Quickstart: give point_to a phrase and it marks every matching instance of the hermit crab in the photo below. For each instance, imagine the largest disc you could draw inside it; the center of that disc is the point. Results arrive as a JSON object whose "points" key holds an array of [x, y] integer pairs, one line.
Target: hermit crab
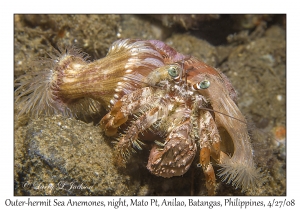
{"points": [[147, 86]]}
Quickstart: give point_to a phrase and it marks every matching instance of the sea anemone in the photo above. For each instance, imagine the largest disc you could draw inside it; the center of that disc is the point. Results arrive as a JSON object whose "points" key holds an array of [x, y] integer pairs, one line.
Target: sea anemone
{"points": [[38, 92], [240, 174], [70, 85]]}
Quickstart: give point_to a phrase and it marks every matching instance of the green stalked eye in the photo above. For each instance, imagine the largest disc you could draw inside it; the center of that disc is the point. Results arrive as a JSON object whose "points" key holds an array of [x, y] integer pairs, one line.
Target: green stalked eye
{"points": [[173, 71], [203, 84]]}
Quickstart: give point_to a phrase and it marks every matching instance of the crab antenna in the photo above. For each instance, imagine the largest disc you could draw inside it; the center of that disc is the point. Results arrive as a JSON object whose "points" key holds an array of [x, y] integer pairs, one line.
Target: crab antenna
{"points": [[208, 109]]}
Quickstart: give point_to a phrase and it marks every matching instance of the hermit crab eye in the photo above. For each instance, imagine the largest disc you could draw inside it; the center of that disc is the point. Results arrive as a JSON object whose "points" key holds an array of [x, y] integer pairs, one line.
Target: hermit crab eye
{"points": [[173, 71], [202, 85]]}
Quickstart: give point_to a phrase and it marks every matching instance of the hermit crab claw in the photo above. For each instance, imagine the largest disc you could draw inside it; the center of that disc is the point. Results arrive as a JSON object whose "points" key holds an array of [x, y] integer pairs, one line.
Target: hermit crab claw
{"points": [[237, 168], [176, 156]]}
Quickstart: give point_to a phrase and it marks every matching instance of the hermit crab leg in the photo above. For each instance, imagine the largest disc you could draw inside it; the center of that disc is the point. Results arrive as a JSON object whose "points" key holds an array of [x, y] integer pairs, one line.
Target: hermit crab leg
{"points": [[143, 105], [210, 146], [128, 141], [123, 108], [209, 135]]}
